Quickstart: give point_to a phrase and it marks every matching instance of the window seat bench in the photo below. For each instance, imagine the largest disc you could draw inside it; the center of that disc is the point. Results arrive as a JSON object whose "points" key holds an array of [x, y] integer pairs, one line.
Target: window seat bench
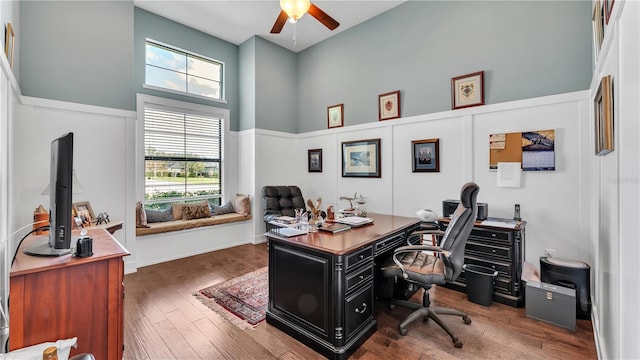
{"points": [[177, 225]]}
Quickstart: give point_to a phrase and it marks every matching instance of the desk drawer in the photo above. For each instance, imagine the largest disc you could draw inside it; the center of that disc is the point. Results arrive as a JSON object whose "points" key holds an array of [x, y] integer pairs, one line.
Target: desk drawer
{"points": [[359, 277], [475, 248], [359, 257], [502, 267], [390, 243], [358, 311], [496, 236]]}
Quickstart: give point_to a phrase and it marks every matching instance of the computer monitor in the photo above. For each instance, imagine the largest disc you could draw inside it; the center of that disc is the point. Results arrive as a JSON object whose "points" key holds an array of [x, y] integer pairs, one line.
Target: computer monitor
{"points": [[58, 242]]}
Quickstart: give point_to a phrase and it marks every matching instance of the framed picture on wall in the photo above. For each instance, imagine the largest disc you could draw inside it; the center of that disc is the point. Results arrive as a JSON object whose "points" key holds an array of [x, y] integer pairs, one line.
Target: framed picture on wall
{"points": [[335, 116], [315, 160], [598, 28], [603, 110], [608, 8], [361, 158], [467, 90], [425, 155], [389, 105], [9, 43]]}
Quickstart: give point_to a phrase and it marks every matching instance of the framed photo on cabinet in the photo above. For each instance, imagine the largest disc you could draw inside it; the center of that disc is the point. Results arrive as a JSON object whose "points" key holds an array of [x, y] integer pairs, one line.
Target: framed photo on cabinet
{"points": [[361, 158], [425, 155], [467, 90], [389, 105], [335, 116]]}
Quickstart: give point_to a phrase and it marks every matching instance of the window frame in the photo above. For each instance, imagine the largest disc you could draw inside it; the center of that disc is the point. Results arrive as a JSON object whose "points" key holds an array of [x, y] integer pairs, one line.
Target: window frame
{"points": [[175, 105], [223, 87]]}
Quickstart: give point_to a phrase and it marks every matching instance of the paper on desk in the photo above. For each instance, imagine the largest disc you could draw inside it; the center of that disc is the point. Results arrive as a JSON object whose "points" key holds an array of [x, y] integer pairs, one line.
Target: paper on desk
{"points": [[34, 352], [529, 272], [509, 174]]}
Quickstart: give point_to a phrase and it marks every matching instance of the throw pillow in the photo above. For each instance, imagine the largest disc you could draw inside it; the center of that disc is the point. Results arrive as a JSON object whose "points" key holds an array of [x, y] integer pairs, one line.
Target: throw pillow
{"points": [[176, 209], [224, 209], [154, 216], [141, 216], [190, 212], [242, 204]]}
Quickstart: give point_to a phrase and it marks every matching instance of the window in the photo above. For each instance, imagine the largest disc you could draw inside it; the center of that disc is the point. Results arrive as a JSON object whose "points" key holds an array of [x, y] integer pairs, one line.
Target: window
{"points": [[182, 155], [183, 72]]}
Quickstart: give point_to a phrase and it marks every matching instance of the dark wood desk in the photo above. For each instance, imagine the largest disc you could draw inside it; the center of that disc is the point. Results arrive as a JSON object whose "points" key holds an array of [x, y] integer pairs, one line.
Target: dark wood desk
{"points": [[62, 297], [321, 285]]}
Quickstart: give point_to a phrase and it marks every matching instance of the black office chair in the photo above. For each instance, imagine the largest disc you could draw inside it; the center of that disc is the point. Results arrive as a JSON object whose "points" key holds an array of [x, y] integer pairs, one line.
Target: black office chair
{"points": [[415, 264]]}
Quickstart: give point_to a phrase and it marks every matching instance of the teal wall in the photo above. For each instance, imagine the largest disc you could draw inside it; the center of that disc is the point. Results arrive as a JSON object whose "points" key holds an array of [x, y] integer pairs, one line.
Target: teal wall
{"points": [[77, 51], [151, 26], [526, 48], [92, 52], [276, 87], [247, 80]]}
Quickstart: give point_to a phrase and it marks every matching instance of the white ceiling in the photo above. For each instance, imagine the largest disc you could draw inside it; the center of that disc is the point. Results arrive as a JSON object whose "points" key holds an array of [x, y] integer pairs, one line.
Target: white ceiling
{"points": [[236, 21]]}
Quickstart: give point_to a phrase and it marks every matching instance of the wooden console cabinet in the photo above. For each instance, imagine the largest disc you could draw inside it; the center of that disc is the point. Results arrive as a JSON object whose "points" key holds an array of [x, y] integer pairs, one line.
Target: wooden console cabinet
{"points": [[321, 285], [499, 247], [54, 298]]}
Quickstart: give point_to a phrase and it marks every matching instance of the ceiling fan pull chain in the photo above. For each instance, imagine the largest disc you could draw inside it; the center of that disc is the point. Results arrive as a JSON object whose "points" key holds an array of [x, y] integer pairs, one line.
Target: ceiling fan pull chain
{"points": [[295, 26]]}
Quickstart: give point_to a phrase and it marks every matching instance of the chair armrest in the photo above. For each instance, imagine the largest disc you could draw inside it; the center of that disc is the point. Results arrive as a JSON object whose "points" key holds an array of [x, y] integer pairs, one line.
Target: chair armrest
{"points": [[414, 248], [423, 232]]}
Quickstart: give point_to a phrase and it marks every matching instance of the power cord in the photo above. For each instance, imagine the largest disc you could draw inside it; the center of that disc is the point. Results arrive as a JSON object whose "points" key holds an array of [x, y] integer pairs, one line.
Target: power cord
{"points": [[45, 227]]}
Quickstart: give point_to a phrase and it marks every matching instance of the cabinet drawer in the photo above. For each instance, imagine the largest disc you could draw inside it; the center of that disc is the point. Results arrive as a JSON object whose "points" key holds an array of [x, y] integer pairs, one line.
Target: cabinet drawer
{"points": [[359, 257], [496, 236], [358, 277], [390, 243], [502, 267], [474, 248], [358, 311]]}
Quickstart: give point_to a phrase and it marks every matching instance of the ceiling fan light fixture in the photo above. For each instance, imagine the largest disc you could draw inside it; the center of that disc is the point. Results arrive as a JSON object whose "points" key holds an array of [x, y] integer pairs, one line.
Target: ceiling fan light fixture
{"points": [[295, 9]]}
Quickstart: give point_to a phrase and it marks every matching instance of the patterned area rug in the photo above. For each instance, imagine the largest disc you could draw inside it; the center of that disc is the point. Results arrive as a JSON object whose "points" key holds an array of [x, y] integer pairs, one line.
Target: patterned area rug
{"points": [[242, 300]]}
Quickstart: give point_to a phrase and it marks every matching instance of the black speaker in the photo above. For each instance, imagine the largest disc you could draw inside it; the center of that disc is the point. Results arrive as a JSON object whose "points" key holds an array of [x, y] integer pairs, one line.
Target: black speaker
{"points": [[449, 207]]}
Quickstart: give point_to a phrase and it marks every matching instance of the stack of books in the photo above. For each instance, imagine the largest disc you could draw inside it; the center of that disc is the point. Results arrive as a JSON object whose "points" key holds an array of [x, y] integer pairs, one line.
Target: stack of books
{"points": [[354, 221], [287, 220], [334, 227]]}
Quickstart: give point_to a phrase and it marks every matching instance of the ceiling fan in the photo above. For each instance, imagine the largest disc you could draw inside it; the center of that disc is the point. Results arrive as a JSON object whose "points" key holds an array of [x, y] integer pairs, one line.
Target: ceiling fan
{"points": [[295, 9]]}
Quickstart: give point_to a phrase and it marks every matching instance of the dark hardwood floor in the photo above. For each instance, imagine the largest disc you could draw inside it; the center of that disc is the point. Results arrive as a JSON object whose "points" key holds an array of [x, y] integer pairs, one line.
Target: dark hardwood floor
{"points": [[163, 320]]}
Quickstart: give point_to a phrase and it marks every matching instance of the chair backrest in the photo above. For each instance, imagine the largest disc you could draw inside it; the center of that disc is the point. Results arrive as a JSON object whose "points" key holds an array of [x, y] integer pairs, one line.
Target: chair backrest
{"points": [[455, 237], [282, 200]]}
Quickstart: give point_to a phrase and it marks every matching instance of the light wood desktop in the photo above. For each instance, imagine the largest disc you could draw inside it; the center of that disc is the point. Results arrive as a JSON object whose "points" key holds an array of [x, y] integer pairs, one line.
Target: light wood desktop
{"points": [[62, 297]]}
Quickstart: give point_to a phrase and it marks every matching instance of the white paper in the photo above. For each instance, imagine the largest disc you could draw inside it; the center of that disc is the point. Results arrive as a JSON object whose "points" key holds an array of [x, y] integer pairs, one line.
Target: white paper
{"points": [[509, 174]]}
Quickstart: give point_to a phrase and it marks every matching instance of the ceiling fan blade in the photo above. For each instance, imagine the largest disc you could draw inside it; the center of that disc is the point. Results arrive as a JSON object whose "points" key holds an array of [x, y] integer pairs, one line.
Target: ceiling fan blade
{"points": [[323, 17], [279, 24]]}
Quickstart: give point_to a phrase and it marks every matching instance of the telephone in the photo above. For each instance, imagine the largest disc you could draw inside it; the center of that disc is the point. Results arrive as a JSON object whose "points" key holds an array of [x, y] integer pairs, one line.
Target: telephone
{"points": [[427, 215]]}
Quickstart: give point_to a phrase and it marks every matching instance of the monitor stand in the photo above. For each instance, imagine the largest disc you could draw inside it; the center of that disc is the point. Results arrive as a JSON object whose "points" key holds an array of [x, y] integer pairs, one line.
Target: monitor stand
{"points": [[41, 247]]}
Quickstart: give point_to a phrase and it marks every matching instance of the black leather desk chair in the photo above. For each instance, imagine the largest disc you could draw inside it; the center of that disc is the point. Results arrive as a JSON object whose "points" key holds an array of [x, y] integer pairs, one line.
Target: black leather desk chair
{"points": [[416, 264]]}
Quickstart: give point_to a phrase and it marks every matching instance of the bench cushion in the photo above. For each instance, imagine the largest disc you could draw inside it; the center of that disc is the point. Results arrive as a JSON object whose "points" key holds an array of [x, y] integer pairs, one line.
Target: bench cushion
{"points": [[177, 225]]}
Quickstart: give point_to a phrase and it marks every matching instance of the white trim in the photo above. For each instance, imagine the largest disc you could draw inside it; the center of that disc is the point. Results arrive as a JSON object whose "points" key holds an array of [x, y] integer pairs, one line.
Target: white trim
{"points": [[196, 96], [64, 105]]}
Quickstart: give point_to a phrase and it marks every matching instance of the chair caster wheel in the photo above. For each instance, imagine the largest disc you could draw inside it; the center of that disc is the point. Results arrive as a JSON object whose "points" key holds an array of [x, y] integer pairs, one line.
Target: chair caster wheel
{"points": [[457, 344], [403, 332], [391, 306], [466, 319]]}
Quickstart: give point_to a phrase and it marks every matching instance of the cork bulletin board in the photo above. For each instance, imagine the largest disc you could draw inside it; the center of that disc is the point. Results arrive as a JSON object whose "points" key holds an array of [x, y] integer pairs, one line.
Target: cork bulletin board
{"points": [[535, 150]]}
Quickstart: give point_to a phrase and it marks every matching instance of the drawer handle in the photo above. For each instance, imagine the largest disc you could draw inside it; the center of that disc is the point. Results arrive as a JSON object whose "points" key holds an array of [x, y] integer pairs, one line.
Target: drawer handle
{"points": [[361, 256], [361, 277], [364, 308]]}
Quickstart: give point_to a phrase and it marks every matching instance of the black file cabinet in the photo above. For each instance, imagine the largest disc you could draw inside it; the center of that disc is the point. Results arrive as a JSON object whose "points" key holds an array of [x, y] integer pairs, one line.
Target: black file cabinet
{"points": [[500, 248]]}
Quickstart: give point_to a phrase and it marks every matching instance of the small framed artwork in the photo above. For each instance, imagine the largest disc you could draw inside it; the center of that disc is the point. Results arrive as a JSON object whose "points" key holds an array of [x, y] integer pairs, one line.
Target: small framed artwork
{"points": [[389, 105], [425, 155], [9, 43], [467, 90], [598, 30], [315, 160], [335, 116], [608, 8], [603, 111], [361, 158], [84, 211]]}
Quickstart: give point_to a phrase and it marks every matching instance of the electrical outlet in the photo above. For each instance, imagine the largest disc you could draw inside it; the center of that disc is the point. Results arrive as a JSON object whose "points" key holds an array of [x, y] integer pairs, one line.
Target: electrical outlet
{"points": [[549, 252]]}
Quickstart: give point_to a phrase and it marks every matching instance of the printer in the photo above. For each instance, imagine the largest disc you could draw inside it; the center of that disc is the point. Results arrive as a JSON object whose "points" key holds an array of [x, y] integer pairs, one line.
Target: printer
{"points": [[449, 207]]}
